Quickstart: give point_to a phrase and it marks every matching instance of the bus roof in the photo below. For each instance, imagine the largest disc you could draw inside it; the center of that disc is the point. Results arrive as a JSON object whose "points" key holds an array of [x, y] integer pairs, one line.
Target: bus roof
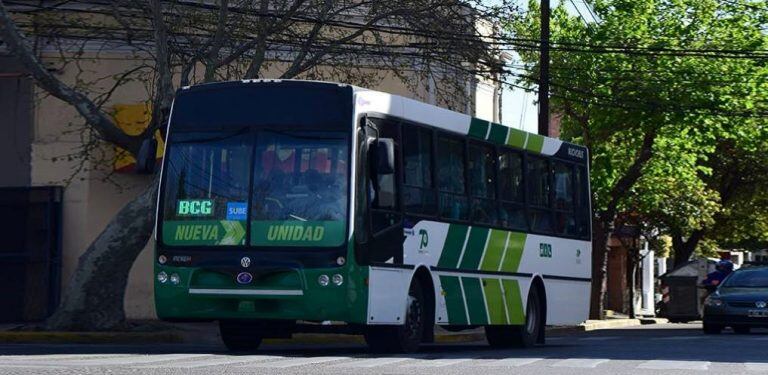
{"points": [[371, 101]]}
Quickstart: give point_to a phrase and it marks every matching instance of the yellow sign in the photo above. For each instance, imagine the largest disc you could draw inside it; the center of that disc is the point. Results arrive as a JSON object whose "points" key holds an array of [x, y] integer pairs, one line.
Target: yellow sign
{"points": [[133, 119]]}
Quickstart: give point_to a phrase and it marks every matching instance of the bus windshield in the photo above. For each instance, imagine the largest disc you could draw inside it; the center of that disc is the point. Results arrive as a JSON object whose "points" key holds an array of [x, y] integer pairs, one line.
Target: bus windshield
{"points": [[300, 188], [294, 181]]}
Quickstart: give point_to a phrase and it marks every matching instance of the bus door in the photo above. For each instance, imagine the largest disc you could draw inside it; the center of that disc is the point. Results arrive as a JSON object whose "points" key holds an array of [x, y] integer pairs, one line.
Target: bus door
{"points": [[384, 240]]}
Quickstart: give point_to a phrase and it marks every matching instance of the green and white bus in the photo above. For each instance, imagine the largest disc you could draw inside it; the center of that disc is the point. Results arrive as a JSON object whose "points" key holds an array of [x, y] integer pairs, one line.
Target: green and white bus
{"points": [[300, 206]]}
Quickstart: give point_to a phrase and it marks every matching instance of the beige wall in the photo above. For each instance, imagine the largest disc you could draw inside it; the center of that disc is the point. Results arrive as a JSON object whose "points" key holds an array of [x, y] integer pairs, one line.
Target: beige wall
{"points": [[89, 199]]}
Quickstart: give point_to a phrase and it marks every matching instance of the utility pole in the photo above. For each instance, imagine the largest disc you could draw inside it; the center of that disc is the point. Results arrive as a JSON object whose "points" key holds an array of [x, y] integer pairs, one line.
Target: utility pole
{"points": [[544, 70]]}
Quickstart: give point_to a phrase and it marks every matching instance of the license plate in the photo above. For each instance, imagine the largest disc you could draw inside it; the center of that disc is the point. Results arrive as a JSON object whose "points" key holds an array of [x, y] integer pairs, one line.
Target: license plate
{"points": [[758, 313]]}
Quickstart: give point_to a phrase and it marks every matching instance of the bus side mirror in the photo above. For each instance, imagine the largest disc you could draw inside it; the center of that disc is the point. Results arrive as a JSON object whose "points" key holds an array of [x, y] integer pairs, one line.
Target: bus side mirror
{"points": [[146, 158], [383, 156]]}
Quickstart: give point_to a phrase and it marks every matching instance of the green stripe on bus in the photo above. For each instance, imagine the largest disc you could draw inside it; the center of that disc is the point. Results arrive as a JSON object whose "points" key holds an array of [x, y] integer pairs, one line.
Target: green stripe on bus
{"points": [[514, 301], [494, 250], [535, 143], [514, 253], [478, 128], [454, 241], [475, 247], [475, 303], [496, 308], [498, 134], [454, 300], [516, 138]]}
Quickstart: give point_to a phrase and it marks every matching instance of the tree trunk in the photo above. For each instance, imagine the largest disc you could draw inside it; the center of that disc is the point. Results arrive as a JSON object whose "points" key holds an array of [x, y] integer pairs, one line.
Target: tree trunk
{"points": [[600, 240], [93, 300], [684, 248]]}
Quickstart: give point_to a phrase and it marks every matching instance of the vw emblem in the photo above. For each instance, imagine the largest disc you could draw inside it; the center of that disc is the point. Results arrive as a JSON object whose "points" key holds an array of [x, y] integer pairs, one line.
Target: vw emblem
{"points": [[760, 304], [244, 278], [245, 262]]}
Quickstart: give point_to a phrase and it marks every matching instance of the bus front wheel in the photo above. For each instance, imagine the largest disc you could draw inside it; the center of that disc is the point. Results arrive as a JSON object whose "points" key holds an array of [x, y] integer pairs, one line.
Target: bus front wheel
{"points": [[405, 338], [523, 336], [240, 335]]}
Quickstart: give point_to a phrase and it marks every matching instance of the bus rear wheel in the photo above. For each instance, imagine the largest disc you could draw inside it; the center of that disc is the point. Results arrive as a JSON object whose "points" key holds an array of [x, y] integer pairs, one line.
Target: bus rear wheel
{"points": [[405, 338], [523, 336], [240, 335]]}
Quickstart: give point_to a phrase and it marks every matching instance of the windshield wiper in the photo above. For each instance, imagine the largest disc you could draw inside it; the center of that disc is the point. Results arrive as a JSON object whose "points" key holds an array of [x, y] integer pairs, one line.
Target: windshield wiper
{"points": [[297, 218]]}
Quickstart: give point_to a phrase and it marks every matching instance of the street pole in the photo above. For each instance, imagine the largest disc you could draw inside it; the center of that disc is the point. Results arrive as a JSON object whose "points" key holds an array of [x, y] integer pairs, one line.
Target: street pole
{"points": [[544, 70]]}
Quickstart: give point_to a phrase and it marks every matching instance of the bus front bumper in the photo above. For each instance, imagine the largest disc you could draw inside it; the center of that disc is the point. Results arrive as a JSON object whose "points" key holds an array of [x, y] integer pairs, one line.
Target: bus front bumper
{"points": [[295, 294]]}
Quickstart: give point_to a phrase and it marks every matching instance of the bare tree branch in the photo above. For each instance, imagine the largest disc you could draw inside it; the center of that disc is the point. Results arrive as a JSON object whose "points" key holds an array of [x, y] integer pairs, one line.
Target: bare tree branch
{"points": [[93, 115]]}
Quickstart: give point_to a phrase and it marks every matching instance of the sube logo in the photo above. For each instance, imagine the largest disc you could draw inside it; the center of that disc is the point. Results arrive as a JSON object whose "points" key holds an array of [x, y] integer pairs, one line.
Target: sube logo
{"points": [[195, 207]]}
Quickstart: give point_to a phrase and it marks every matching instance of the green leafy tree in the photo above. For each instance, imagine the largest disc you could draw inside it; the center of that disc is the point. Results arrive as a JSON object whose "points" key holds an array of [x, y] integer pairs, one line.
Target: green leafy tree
{"points": [[652, 88]]}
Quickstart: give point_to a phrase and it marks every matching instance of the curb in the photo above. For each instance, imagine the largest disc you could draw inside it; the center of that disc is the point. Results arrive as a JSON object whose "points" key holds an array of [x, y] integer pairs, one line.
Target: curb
{"points": [[38, 337]]}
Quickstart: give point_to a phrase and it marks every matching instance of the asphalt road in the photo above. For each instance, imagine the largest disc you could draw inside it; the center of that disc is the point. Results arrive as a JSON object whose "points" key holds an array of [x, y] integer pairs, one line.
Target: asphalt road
{"points": [[665, 348]]}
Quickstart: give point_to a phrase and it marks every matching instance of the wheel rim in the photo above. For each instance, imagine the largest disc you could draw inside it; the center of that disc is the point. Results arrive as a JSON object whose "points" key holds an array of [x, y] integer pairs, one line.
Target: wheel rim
{"points": [[532, 316]]}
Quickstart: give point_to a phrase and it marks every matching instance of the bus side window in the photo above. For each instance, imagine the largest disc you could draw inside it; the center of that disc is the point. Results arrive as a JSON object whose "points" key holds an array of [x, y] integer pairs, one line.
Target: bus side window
{"points": [[539, 188], [511, 191], [418, 188], [382, 188], [581, 203], [482, 183], [565, 220], [451, 178]]}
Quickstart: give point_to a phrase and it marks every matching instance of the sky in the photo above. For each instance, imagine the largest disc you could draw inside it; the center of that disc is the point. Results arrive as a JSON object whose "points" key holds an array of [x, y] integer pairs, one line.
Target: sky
{"points": [[518, 107]]}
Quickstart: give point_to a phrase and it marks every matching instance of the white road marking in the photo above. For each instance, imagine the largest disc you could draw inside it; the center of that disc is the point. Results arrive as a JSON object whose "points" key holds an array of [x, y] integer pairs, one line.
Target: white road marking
{"points": [[51, 357], [218, 360], [658, 364], [373, 362], [580, 362], [134, 359], [511, 362], [756, 366], [438, 362], [294, 362], [124, 360], [599, 338]]}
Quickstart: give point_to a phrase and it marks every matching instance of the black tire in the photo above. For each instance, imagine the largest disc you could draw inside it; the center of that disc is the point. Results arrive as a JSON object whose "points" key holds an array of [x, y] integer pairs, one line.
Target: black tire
{"points": [[741, 330], [712, 329], [405, 338], [240, 336], [524, 336]]}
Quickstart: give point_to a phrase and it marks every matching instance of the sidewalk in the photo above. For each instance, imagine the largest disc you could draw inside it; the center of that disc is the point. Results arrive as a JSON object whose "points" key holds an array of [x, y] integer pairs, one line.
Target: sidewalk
{"points": [[207, 334]]}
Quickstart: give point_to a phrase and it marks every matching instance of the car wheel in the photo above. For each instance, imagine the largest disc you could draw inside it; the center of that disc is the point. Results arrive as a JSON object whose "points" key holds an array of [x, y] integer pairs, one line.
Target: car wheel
{"points": [[741, 330], [712, 329]]}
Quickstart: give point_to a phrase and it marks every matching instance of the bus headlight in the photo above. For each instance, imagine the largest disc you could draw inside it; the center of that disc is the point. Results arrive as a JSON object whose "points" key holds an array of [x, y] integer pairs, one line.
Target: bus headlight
{"points": [[175, 279], [162, 277], [338, 279], [323, 280]]}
